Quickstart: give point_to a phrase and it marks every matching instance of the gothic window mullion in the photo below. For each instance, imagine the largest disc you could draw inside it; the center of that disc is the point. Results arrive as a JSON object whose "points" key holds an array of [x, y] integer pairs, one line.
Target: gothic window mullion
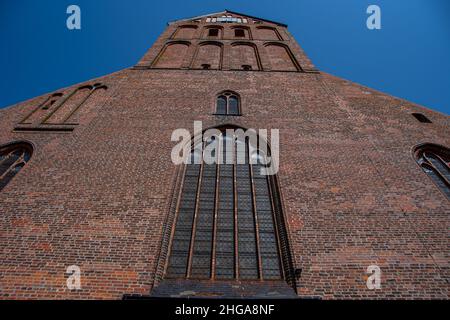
{"points": [[255, 219], [194, 221], [236, 243], [182, 231], [248, 259], [224, 254], [216, 206], [228, 104]]}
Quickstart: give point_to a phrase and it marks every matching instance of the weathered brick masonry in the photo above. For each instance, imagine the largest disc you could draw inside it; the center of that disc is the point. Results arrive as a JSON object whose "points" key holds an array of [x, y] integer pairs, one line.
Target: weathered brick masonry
{"points": [[100, 187]]}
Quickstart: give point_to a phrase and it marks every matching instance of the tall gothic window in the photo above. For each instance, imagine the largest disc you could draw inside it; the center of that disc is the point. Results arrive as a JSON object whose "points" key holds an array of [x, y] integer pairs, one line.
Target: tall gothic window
{"points": [[13, 158], [228, 104], [226, 219], [435, 161]]}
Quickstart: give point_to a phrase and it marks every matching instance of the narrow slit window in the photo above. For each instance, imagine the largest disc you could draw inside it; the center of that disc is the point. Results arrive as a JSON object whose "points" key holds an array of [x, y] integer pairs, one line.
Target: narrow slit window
{"points": [[421, 117]]}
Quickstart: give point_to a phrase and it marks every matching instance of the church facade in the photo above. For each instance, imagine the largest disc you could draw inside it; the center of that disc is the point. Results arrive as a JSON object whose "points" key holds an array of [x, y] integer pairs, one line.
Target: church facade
{"points": [[87, 182]]}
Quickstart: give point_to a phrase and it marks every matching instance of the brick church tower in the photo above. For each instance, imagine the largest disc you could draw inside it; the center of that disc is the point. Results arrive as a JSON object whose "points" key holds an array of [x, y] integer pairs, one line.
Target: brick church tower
{"points": [[87, 180]]}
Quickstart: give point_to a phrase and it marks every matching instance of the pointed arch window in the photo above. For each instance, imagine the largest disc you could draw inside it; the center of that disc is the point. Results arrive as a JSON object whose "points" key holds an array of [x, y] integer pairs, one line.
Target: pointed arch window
{"points": [[228, 225], [228, 104], [13, 157], [435, 162]]}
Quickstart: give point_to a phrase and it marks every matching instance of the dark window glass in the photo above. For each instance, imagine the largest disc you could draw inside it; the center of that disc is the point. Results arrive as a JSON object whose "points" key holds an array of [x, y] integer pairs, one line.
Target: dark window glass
{"points": [[233, 106], [213, 32], [221, 105], [240, 33], [439, 164], [421, 118]]}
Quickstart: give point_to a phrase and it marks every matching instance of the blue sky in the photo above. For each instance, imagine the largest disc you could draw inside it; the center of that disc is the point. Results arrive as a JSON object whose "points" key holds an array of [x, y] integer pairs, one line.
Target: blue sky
{"points": [[409, 57]]}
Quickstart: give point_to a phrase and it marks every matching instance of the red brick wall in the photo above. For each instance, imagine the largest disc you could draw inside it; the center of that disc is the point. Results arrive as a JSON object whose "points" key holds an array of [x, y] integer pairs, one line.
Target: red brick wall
{"points": [[208, 53], [244, 54], [100, 196]]}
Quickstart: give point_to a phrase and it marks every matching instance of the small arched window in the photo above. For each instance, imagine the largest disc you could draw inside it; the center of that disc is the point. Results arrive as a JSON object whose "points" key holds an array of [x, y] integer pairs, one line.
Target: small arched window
{"points": [[228, 104], [435, 161], [13, 158]]}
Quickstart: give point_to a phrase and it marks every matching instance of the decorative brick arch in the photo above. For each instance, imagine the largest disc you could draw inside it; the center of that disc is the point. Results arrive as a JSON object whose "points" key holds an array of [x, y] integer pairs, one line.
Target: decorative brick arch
{"points": [[185, 32], [245, 53], [208, 53], [172, 55], [281, 57], [268, 33], [59, 108]]}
